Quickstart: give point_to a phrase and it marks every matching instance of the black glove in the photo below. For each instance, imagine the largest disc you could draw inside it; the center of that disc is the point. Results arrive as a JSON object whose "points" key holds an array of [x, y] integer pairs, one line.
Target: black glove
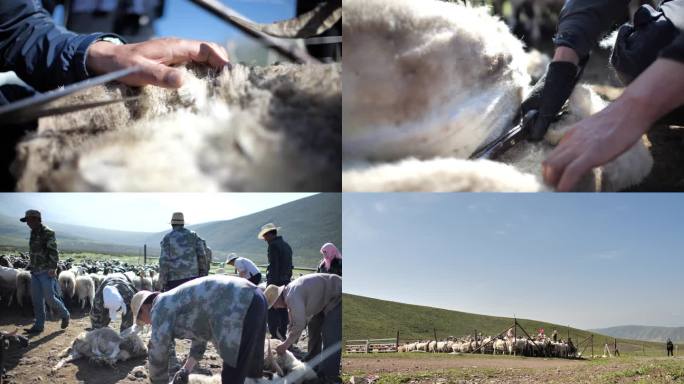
{"points": [[549, 95], [181, 377]]}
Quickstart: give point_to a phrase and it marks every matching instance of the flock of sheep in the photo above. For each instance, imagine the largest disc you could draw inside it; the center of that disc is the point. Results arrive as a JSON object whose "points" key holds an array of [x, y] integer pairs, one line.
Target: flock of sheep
{"points": [[77, 283], [538, 347]]}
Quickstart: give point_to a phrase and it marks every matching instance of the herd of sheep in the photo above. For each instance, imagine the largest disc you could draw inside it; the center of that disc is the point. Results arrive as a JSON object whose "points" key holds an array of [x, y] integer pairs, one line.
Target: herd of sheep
{"points": [[77, 281], [538, 347]]}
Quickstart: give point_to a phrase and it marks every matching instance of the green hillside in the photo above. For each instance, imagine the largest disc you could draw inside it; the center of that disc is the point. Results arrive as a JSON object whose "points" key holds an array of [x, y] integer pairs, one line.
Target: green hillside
{"points": [[367, 318], [647, 333]]}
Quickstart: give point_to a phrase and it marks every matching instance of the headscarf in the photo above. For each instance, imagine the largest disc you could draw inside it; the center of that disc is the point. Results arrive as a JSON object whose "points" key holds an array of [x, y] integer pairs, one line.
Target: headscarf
{"points": [[330, 252]]}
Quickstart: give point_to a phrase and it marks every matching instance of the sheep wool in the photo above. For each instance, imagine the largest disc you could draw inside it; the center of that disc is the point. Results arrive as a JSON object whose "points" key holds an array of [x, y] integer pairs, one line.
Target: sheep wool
{"points": [[427, 82], [273, 128]]}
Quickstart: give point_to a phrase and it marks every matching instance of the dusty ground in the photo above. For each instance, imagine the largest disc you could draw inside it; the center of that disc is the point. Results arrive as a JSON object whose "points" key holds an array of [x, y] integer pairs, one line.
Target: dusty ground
{"points": [[503, 369], [34, 364]]}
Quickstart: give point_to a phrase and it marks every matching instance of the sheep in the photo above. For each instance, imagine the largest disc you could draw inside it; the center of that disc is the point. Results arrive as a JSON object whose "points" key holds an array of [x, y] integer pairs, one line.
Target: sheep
{"points": [[23, 287], [67, 284], [104, 346], [97, 279], [258, 129], [418, 102], [500, 345], [432, 346], [85, 290], [288, 369], [8, 283]]}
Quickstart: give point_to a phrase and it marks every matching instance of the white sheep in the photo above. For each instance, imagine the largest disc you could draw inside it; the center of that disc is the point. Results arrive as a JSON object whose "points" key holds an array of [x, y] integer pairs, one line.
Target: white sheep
{"points": [[85, 290], [261, 128], [97, 279], [104, 346], [23, 287], [67, 283], [288, 369], [8, 283], [426, 83]]}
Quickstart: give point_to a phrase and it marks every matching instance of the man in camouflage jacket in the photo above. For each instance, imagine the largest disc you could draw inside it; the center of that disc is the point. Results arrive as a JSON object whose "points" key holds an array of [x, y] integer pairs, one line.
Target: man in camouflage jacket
{"points": [[183, 257], [99, 314], [43, 265], [229, 311]]}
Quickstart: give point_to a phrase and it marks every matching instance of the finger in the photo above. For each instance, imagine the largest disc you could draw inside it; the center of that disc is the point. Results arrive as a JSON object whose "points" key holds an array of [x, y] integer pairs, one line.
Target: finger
{"points": [[201, 52], [554, 165], [155, 74], [573, 173]]}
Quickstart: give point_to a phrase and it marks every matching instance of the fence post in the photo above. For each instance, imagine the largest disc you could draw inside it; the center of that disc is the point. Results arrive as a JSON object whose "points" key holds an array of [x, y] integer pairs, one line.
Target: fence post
{"points": [[397, 343], [145, 254]]}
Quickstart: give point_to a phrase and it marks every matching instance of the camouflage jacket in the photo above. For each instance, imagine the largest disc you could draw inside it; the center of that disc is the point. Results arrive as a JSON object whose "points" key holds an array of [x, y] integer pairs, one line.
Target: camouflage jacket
{"points": [[99, 315], [208, 308], [43, 249], [182, 256]]}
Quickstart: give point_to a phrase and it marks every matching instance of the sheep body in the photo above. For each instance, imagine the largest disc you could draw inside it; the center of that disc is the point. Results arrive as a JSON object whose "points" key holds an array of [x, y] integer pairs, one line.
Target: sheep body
{"points": [[8, 283], [242, 129], [67, 283], [104, 346], [85, 290], [23, 287], [426, 81]]}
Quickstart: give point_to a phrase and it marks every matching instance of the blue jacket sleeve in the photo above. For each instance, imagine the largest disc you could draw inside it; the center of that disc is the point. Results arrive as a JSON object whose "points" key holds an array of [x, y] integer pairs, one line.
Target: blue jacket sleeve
{"points": [[41, 53], [582, 22]]}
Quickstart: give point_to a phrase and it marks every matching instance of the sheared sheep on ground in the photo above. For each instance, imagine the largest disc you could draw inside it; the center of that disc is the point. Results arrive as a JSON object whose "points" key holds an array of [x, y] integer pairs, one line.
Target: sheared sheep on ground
{"points": [[428, 82], [287, 368], [274, 128], [104, 346]]}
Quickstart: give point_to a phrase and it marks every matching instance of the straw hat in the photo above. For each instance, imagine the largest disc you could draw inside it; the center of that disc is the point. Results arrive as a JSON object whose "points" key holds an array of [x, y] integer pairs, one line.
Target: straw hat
{"points": [[177, 218], [267, 228], [137, 302], [272, 294], [30, 213]]}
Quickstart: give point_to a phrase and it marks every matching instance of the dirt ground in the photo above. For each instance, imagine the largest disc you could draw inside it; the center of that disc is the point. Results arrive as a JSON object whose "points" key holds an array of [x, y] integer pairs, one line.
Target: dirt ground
{"points": [[468, 369], [34, 363]]}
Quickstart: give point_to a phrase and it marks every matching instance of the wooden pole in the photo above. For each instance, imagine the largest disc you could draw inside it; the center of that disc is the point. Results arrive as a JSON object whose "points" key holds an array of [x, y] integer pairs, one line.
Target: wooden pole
{"points": [[145, 254], [515, 334], [397, 342], [435, 332]]}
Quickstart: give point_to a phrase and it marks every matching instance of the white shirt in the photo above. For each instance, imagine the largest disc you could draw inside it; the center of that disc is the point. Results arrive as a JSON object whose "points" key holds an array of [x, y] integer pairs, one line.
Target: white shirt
{"points": [[246, 266]]}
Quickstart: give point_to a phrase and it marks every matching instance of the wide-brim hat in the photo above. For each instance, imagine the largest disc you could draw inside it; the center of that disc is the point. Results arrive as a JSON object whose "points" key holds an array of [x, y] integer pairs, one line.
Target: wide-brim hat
{"points": [[30, 213], [272, 293], [232, 257], [137, 302], [266, 228], [177, 218]]}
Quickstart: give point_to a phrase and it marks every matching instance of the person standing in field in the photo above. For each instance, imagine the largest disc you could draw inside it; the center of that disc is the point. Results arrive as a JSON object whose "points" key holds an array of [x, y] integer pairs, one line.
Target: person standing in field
{"points": [[183, 256], [278, 273], [43, 265]]}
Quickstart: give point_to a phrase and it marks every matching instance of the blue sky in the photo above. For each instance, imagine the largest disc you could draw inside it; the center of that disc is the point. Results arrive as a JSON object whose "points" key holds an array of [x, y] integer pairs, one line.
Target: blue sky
{"points": [[184, 19], [146, 212], [583, 260]]}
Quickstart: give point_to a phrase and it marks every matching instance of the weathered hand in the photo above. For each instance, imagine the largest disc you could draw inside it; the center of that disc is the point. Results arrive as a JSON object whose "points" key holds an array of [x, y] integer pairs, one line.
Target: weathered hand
{"points": [[592, 142], [281, 349], [52, 273], [155, 58]]}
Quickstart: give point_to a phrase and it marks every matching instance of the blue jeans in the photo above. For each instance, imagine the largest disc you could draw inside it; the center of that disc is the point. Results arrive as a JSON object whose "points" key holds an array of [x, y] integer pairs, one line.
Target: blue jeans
{"points": [[332, 334], [43, 291]]}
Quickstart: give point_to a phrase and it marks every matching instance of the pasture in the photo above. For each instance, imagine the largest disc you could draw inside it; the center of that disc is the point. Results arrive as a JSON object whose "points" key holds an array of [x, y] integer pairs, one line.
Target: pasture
{"points": [[421, 368]]}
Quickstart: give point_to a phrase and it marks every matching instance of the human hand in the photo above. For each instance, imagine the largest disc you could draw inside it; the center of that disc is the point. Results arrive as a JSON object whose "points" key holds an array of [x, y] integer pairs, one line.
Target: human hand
{"points": [[52, 272], [155, 58], [593, 142]]}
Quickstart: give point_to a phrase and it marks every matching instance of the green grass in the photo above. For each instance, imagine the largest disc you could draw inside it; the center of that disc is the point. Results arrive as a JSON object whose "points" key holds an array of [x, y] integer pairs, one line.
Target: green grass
{"points": [[367, 318]]}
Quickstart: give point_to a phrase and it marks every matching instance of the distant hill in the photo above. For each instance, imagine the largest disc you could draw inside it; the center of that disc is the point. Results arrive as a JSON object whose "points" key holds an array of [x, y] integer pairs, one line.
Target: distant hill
{"points": [[368, 318], [646, 333], [306, 225]]}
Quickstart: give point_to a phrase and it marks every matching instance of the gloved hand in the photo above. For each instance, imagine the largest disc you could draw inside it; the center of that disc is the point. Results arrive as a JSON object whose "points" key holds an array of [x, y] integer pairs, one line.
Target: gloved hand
{"points": [[181, 377], [549, 95]]}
